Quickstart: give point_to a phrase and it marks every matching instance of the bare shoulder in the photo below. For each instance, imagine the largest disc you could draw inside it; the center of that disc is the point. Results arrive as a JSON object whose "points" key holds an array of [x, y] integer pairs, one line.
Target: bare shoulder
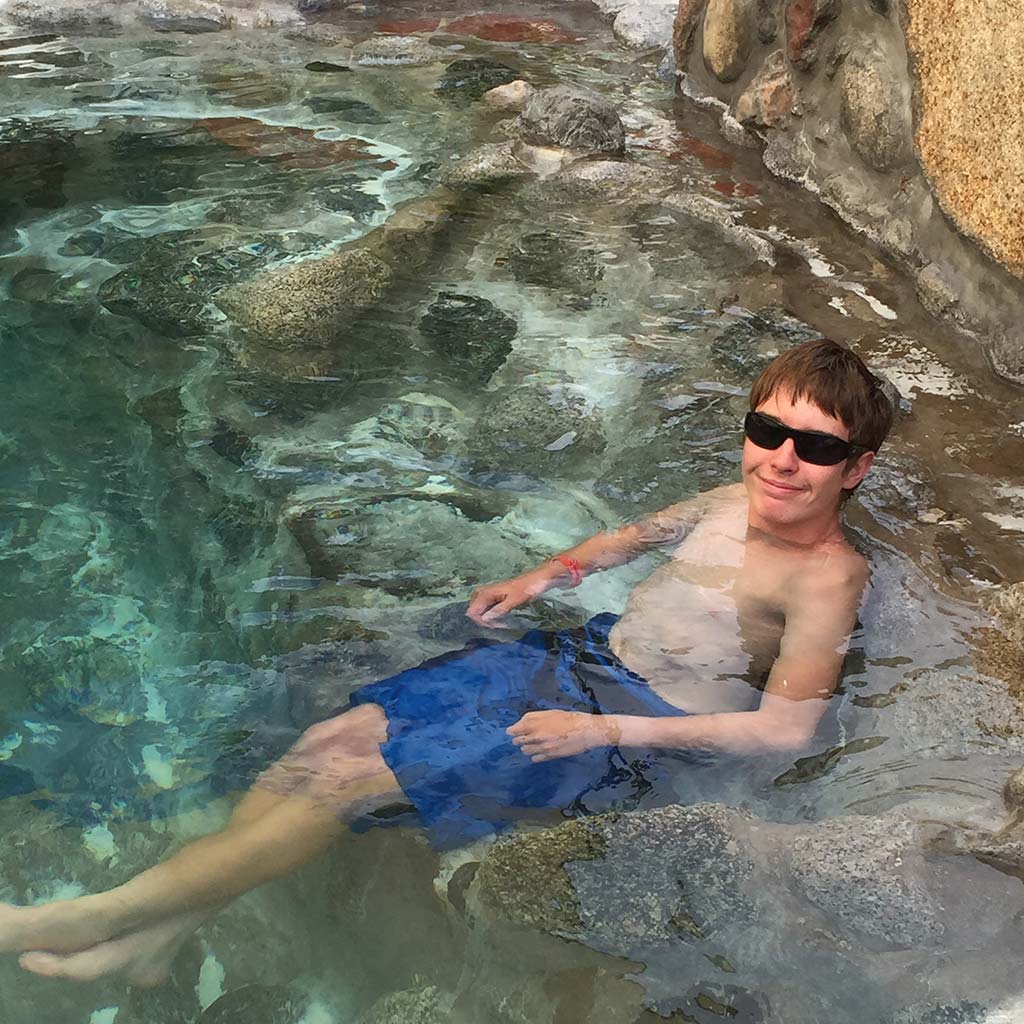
{"points": [[672, 524], [836, 582]]}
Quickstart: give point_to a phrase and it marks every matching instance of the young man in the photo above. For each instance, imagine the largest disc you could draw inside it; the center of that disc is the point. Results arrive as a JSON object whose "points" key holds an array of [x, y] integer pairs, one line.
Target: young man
{"points": [[734, 645]]}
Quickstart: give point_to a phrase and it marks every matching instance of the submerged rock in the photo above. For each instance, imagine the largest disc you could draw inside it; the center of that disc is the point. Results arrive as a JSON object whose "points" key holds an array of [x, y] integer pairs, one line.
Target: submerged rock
{"points": [[511, 28], [391, 49], [346, 108], [561, 262], [265, 1004], [170, 287], [535, 427], [572, 117], [469, 331], [414, 544], [468, 80], [34, 157], [411, 1006], [494, 163], [306, 305]]}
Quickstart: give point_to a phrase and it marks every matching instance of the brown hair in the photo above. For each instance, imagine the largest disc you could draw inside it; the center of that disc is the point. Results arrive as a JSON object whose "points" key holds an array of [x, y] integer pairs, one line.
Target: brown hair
{"points": [[835, 380]]}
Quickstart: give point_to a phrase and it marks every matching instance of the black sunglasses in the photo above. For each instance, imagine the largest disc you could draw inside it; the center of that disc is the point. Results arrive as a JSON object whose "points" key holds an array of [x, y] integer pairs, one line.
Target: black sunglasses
{"points": [[818, 449]]}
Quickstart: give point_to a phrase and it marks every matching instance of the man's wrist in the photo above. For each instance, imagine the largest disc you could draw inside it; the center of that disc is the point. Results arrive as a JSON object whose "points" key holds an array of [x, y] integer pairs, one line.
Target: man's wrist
{"points": [[611, 729]]}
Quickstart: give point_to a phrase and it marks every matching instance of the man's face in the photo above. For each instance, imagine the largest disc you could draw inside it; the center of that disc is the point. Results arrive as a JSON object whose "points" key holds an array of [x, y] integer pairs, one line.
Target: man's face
{"points": [[783, 490]]}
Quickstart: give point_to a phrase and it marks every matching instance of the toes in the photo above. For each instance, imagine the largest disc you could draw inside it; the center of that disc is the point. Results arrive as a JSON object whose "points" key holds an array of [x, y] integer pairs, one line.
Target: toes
{"points": [[49, 965], [86, 966]]}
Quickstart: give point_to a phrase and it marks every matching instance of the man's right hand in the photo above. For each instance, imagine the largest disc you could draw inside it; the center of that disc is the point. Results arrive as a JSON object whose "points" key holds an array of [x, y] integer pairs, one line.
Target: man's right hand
{"points": [[492, 601]]}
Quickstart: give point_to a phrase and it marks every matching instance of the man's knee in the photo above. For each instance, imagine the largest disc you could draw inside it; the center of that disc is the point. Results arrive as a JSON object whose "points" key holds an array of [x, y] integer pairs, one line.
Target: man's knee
{"points": [[359, 731]]}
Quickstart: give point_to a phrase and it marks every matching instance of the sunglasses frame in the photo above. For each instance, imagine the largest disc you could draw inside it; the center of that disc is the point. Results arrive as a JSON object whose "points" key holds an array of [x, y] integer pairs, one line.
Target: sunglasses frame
{"points": [[800, 438]]}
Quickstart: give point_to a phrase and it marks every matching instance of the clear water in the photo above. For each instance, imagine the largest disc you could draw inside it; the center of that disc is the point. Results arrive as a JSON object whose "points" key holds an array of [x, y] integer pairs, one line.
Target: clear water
{"points": [[199, 559]]}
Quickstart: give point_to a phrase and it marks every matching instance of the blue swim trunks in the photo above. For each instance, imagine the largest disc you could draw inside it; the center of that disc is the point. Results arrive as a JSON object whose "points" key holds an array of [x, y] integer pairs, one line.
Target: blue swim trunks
{"points": [[449, 750]]}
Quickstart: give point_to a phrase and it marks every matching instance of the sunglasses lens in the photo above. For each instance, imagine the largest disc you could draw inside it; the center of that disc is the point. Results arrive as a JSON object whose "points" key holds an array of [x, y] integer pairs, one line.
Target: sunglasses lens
{"points": [[821, 451], [763, 432]]}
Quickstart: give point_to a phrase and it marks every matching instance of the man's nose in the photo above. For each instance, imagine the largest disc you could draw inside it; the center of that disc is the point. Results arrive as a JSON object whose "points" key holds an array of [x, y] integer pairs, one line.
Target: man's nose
{"points": [[784, 457]]}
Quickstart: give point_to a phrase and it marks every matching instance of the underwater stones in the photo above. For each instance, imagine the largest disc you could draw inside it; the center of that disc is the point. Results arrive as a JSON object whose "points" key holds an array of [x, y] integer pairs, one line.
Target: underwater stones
{"points": [[326, 67], [748, 345], [563, 263], [15, 781], [489, 165], [408, 26], [191, 16], [951, 716], [866, 872], [875, 111], [536, 427], [621, 879], [169, 288], [265, 1004], [413, 233], [410, 1006], [510, 28], [524, 880], [945, 1013], [308, 304], [805, 21], [769, 101], [385, 50], [406, 544], [728, 37], [346, 108], [346, 195], [468, 80], [571, 117], [428, 423], [469, 331], [34, 157]]}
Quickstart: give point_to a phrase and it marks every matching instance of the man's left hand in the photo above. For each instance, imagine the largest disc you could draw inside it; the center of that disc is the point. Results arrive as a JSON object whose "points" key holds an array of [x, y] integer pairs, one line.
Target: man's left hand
{"points": [[546, 735]]}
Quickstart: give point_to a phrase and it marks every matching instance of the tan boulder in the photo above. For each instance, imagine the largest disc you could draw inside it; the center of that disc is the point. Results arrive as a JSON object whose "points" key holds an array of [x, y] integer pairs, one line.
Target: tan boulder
{"points": [[968, 58], [728, 37]]}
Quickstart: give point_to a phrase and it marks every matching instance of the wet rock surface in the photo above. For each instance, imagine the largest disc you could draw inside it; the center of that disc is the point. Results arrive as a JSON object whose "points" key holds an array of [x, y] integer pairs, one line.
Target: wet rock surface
{"points": [[572, 117], [309, 304], [465, 81], [469, 331], [533, 425], [563, 263]]}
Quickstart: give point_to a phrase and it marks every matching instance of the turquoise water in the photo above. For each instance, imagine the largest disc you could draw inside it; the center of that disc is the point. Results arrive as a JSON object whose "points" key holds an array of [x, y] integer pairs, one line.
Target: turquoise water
{"points": [[200, 557]]}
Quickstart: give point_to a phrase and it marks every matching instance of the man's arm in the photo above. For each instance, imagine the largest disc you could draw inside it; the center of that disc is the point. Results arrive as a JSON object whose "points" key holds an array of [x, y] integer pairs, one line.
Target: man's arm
{"points": [[605, 550], [802, 679]]}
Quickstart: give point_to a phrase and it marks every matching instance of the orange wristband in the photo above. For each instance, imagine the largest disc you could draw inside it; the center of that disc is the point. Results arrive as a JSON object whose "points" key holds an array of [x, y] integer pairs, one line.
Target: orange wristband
{"points": [[574, 567]]}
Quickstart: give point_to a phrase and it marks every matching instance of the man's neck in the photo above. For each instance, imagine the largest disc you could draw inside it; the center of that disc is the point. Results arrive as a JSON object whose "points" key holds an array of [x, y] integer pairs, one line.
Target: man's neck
{"points": [[807, 535]]}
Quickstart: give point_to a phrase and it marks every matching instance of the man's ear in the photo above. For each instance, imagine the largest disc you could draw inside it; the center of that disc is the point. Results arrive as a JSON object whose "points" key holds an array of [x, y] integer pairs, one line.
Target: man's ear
{"points": [[857, 470]]}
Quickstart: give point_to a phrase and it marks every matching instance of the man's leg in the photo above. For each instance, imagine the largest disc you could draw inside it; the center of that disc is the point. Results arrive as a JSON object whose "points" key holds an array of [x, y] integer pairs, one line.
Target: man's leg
{"points": [[298, 807]]}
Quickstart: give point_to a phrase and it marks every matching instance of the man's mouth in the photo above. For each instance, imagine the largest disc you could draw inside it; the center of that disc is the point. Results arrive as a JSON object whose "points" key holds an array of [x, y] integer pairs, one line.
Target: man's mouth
{"points": [[778, 488]]}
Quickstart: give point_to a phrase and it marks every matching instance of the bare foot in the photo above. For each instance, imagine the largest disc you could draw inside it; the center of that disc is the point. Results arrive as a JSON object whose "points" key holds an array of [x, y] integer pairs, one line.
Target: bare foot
{"points": [[62, 926], [143, 958]]}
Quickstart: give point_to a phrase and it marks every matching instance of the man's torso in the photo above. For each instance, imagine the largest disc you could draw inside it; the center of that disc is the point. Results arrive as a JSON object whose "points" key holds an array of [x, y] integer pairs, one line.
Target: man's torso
{"points": [[704, 628]]}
